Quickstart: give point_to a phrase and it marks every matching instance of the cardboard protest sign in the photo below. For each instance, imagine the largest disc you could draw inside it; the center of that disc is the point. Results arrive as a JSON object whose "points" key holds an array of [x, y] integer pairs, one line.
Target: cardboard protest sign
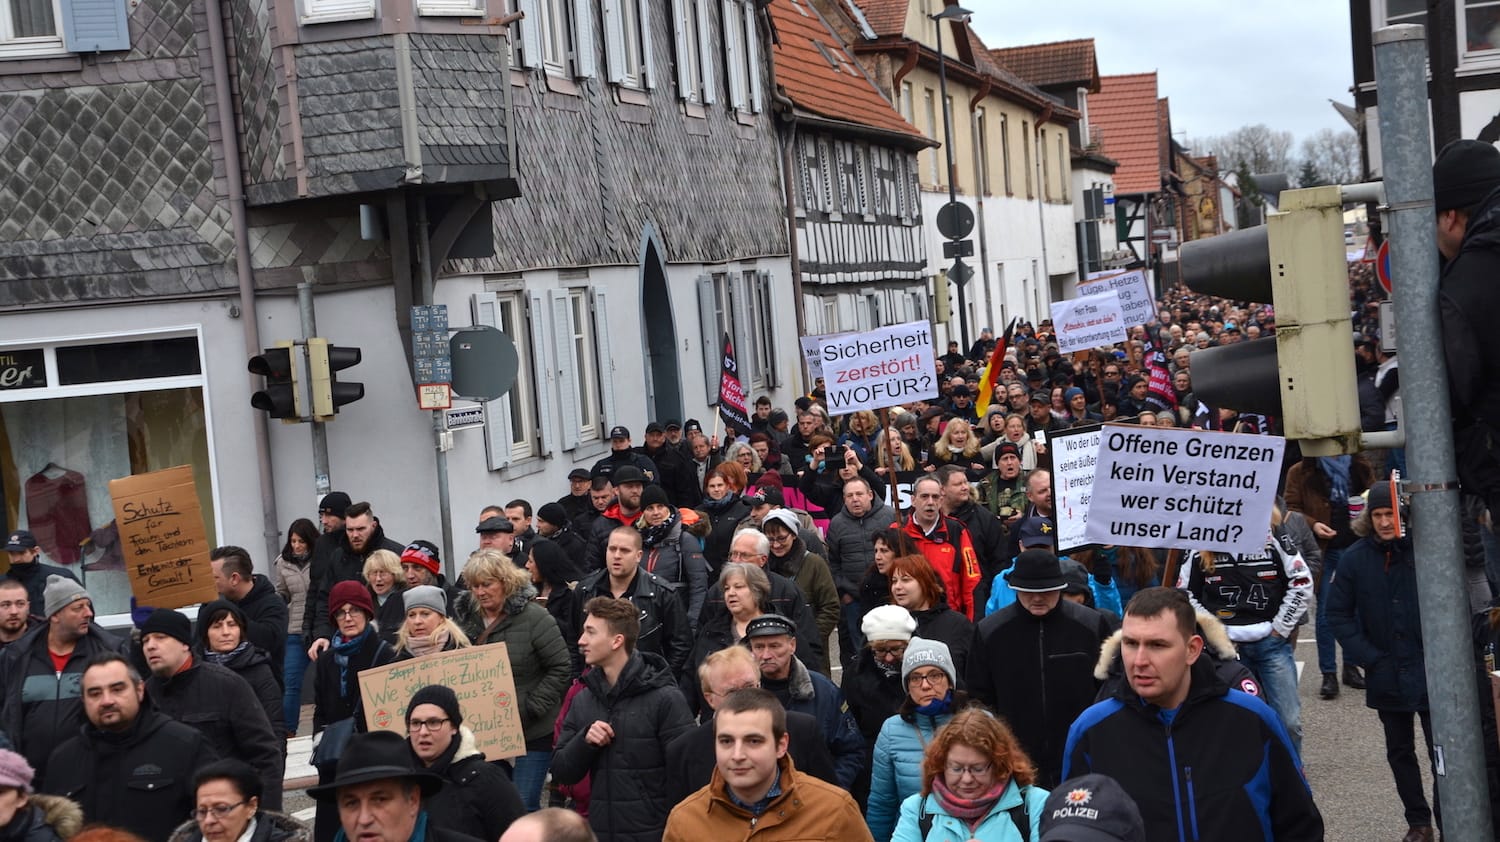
{"points": [[879, 368], [1191, 489], [1088, 322], [1075, 455], [162, 538], [1136, 303], [479, 675]]}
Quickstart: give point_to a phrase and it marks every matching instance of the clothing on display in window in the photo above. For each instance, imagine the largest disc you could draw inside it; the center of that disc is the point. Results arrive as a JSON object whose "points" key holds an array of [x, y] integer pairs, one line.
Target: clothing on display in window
{"points": [[57, 512]]}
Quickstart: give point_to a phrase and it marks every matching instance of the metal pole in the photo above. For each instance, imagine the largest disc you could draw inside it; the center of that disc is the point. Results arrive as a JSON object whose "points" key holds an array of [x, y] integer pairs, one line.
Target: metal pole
{"points": [[322, 478], [963, 309], [1452, 695], [445, 505]]}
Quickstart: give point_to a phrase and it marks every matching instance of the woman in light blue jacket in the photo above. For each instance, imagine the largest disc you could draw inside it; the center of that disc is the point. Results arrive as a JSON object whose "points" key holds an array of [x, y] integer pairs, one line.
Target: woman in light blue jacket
{"points": [[976, 785], [929, 676]]}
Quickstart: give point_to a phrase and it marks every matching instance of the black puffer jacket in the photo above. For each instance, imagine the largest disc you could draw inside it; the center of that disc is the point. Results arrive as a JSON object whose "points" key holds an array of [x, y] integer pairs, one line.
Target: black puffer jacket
{"points": [[250, 663], [988, 535], [477, 799], [223, 707], [265, 618], [1467, 296], [38, 722], [873, 696], [330, 703], [723, 516], [334, 561], [391, 614], [140, 780], [943, 623], [629, 776]]}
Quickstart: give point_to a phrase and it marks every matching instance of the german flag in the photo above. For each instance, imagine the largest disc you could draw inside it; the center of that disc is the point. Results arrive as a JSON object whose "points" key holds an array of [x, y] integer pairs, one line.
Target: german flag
{"points": [[991, 374]]}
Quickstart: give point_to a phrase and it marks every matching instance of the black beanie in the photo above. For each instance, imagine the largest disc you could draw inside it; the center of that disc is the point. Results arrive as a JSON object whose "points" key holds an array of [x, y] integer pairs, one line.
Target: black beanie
{"points": [[553, 514], [170, 623], [443, 697], [654, 495], [1379, 496], [1464, 173]]}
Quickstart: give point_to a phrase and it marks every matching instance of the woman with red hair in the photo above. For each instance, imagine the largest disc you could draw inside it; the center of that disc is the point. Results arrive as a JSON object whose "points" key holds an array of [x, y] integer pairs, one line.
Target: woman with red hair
{"points": [[976, 785], [916, 587]]}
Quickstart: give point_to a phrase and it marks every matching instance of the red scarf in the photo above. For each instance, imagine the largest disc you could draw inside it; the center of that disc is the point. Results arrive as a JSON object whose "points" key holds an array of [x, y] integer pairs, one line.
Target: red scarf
{"points": [[968, 810]]}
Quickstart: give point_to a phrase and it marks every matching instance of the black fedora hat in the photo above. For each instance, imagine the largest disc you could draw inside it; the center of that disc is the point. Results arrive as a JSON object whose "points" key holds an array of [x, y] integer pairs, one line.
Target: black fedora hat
{"points": [[1036, 571], [377, 756]]}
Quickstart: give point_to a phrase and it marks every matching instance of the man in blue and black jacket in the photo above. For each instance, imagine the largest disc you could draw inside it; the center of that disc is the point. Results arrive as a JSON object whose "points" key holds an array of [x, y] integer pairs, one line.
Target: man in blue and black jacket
{"points": [[1201, 760]]}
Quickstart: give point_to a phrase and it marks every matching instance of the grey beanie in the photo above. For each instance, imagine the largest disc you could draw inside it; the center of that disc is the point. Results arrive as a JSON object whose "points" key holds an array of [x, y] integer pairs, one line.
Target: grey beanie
{"points": [[921, 652], [61, 591], [425, 596]]}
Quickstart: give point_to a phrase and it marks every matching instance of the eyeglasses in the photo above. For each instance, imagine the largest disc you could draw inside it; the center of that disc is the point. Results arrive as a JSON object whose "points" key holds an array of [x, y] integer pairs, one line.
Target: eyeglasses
{"points": [[219, 811], [974, 771], [425, 724], [888, 652], [930, 679], [347, 612]]}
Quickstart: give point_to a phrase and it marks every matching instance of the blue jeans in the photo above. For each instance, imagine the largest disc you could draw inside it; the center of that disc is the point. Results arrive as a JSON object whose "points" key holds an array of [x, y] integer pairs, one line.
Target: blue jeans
{"points": [[1272, 662], [293, 671], [529, 775], [1328, 659]]}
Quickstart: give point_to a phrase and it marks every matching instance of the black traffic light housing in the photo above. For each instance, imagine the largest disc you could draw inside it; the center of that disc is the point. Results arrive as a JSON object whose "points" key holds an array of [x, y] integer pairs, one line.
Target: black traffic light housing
{"points": [[328, 394], [282, 394]]}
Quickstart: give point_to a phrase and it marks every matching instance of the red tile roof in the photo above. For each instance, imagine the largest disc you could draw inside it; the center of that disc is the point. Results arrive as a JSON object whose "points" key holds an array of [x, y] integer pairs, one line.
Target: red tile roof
{"points": [[804, 70], [886, 17], [1128, 118], [1057, 63]]}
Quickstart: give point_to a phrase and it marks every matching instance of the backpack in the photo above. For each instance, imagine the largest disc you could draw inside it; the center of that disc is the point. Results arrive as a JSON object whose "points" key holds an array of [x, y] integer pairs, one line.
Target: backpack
{"points": [[1018, 817]]}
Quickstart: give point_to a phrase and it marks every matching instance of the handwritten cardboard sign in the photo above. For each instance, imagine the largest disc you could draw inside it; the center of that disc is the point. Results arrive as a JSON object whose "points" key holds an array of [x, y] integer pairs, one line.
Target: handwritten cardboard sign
{"points": [[1088, 322], [479, 675], [1075, 455], [162, 537], [1136, 303]]}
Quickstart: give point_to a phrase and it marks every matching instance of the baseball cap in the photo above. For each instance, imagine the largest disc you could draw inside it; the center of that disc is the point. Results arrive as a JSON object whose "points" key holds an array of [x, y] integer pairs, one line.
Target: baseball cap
{"points": [[20, 541], [619, 432], [335, 503], [653, 427], [692, 426], [673, 424], [1091, 808]]}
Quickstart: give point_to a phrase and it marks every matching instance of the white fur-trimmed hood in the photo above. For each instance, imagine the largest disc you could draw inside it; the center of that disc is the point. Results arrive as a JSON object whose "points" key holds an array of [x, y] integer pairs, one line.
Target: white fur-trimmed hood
{"points": [[1215, 636]]}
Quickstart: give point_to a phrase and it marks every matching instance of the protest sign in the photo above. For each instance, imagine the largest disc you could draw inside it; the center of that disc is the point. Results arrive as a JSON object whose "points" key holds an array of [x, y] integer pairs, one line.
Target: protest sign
{"points": [[1074, 457], [1136, 303], [1088, 322], [163, 539], [479, 675], [878, 368], [1189, 489], [813, 351]]}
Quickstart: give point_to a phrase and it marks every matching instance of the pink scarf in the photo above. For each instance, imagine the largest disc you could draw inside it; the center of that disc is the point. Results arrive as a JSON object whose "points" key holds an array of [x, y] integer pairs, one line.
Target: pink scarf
{"points": [[969, 810]]}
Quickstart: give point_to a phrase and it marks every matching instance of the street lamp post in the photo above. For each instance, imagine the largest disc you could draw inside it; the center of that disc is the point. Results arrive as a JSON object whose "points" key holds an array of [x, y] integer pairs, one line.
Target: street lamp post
{"points": [[948, 13]]}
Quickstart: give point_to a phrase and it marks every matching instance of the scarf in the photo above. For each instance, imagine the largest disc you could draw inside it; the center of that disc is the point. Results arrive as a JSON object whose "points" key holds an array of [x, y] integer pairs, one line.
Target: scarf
{"points": [[652, 536], [938, 707], [426, 646], [223, 658], [418, 830], [343, 650], [714, 507], [968, 810], [886, 670], [1336, 468]]}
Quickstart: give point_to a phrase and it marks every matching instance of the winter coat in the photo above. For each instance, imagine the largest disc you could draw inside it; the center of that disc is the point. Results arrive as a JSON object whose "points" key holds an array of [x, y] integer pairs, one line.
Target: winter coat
{"points": [[807, 810], [1307, 491], [330, 704], [851, 545], [813, 693], [678, 558], [813, 578], [293, 581], [873, 697], [266, 621], [254, 666], [477, 799], [39, 720], [391, 614], [140, 780], [1217, 648], [786, 599], [825, 489], [943, 623], [34, 577], [1373, 611], [1224, 768], [563, 607], [616, 459], [987, 534], [270, 826], [223, 706], [723, 517], [334, 561], [597, 537], [1467, 296], [45, 818], [951, 552], [996, 826], [896, 769], [807, 533], [691, 758], [539, 661], [664, 626], [1038, 673], [677, 476], [647, 712]]}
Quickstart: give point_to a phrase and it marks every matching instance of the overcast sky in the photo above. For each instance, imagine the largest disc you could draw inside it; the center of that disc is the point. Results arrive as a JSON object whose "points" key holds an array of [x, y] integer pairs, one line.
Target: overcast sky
{"points": [[1223, 65]]}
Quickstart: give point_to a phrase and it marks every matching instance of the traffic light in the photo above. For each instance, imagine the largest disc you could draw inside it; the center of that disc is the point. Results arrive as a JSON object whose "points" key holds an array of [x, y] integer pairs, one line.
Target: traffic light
{"points": [[282, 395], [328, 394], [1304, 375]]}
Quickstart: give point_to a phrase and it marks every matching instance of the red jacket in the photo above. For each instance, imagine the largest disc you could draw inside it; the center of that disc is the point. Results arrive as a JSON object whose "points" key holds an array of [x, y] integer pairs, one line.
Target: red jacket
{"points": [[951, 554]]}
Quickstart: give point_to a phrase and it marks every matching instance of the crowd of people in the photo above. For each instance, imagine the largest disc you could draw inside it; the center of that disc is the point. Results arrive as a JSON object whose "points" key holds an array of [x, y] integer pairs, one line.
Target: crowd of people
{"points": [[817, 627]]}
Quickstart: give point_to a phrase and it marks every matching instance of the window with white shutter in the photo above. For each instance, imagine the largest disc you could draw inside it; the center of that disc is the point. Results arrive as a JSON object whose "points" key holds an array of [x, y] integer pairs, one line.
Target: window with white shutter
{"points": [[752, 55], [605, 360], [510, 420], [330, 11]]}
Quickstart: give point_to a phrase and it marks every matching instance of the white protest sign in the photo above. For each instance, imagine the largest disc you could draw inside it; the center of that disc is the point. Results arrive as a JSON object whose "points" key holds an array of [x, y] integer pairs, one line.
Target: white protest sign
{"points": [[879, 368], [1086, 323], [1136, 302], [812, 350], [1189, 489], [1075, 453]]}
